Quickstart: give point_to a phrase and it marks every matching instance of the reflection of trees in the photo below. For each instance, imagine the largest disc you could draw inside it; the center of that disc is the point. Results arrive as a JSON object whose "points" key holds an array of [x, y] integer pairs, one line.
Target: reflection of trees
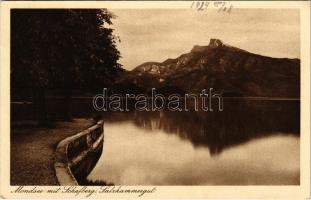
{"points": [[240, 121]]}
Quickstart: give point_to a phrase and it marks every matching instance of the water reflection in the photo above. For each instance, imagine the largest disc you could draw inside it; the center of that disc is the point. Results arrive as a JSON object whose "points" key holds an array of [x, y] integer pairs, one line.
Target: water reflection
{"points": [[250, 142]]}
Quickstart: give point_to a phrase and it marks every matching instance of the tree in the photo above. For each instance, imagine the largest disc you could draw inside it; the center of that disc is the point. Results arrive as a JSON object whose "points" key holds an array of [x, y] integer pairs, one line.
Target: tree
{"points": [[62, 49]]}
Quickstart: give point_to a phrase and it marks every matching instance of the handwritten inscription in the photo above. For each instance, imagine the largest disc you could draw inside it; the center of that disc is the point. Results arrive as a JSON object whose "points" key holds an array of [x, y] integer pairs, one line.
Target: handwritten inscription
{"points": [[221, 6], [85, 191]]}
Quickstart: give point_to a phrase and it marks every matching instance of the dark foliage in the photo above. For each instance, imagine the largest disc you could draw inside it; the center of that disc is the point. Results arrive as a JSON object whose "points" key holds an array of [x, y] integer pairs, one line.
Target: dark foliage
{"points": [[61, 49]]}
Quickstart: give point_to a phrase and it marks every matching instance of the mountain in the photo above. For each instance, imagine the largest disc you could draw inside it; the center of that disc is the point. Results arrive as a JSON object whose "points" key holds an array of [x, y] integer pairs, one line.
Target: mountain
{"points": [[227, 69]]}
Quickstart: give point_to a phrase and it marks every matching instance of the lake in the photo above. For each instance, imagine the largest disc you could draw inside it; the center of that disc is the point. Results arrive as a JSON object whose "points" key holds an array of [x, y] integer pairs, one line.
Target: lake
{"points": [[249, 143]]}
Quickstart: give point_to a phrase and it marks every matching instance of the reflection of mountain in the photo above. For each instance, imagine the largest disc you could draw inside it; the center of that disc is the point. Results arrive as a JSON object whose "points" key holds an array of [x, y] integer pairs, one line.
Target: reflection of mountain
{"points": [[239, 122], [228, 69]]}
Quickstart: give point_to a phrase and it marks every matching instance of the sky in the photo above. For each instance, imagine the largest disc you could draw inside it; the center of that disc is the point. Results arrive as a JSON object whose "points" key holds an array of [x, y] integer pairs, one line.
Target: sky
{"points": [[157, 34]]}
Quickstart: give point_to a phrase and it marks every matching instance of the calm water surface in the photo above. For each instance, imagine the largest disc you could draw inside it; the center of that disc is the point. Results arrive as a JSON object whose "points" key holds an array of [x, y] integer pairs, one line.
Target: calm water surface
{"points": [[248, 143]]}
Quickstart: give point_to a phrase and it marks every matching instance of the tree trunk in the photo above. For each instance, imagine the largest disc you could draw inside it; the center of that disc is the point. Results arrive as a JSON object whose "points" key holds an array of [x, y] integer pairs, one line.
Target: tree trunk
{"points": [[35, 105], [68, 104], [41, 108]]}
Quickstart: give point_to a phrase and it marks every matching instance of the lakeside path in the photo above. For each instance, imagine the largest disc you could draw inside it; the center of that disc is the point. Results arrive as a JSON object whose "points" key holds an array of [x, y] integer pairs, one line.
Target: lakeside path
{"points": [[33, 151]]}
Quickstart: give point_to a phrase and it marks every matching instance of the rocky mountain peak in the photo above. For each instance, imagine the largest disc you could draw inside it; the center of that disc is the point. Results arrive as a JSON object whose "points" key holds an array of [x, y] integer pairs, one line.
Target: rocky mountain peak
{"points": [[215, 43], [197, 48], [226, 68]]}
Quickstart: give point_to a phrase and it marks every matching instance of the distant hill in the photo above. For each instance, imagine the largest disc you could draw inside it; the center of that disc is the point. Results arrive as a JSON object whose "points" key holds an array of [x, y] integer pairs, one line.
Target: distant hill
{"points": [[229, 70]]}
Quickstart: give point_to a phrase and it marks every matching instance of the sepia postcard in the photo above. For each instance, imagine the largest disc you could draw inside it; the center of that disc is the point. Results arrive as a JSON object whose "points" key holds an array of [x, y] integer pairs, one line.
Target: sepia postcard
{"points": [[155, 99]]}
